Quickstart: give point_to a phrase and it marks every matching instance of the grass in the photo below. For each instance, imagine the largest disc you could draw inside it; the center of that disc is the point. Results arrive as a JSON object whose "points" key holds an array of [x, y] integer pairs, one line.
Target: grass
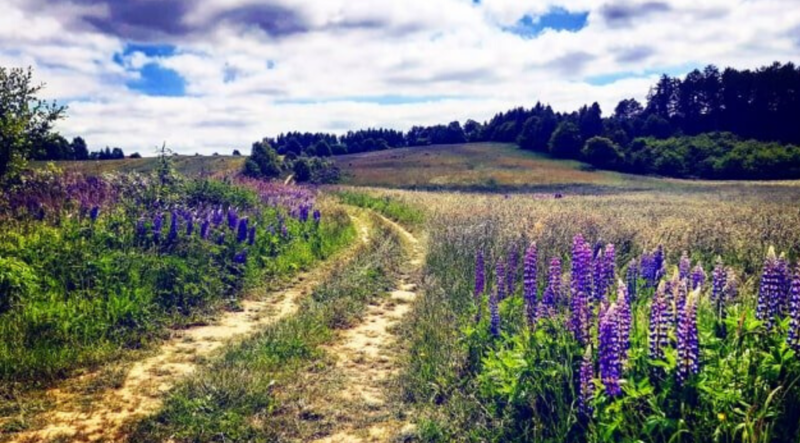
{"points": [[241, 395], [393, 209]]}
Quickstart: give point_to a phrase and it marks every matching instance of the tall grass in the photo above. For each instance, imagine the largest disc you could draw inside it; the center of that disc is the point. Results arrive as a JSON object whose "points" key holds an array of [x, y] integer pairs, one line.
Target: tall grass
{"points": [[391, 208]]}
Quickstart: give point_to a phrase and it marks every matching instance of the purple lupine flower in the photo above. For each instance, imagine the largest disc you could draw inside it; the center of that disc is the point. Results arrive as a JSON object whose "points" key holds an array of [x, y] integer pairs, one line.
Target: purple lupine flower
{"points": [[94, 213], [511, 270], [658, 262], [189, 226], [684, 265], [241, 233], [688, 341], [500, 279], [581, 266], [221, 238], [553, 290], [632, 278], [680, 289], [579, 317], [530, 282], [769, 290], [698, 277], [494, 311], [217, 217], [157, 222], [659, 325], [233, 218], [609, 351], [610, 266], [625, 320], [586, 391], [241, 257], [793, 338], [646, 268], [140, 229], [317, 216], [480, 278], [251, 236], [173, 227], [599, 277], [719, 279], [204, 229]]}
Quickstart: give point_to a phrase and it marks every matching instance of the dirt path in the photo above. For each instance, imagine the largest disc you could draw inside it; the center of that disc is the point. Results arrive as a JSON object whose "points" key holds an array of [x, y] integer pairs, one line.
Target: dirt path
{"points": [[367, 359], [102, 414]]}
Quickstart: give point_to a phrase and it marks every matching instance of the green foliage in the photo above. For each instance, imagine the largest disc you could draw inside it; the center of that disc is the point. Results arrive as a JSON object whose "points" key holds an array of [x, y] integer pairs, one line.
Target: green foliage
{"points": [[566, 141], [601, 152], [391, 208], [263, 162], [26, 120]]}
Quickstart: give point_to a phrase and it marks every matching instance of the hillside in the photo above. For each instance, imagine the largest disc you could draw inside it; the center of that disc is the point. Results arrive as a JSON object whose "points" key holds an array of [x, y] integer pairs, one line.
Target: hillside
{"points": [[191, 166], [476, 166]]}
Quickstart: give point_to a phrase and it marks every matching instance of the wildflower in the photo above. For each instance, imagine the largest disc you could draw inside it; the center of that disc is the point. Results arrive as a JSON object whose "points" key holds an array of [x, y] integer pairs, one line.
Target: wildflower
{"points": [[609, 351], [251, 236], [317, 216], [241, 257], [140, 229], [173, 227], [221, 238], [684, 265], [631, 278], [679, 291], [500, 274], [769, 290], [586, 383], [610, 266], [157, 222], [698, 277], [658, 263], [719, 280], [494, 312], [241, 234], [553, 289], [529, 282], [480, 277], [688, 342], [94, 213], [204, 229], [658, 324], [624, 321], [233, 218], [581, 266], [579, 317], [189, 226], [794, 312], [784, 286], [599, 276], [217, 216]]}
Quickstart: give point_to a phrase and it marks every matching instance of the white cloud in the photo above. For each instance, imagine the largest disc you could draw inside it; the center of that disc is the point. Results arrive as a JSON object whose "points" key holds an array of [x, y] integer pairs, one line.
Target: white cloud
{"points": [[244, 81]]}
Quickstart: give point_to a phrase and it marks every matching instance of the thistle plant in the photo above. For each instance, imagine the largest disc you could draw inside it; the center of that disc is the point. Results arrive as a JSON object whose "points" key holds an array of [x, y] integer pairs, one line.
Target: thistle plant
{"points": [[530, 282]]}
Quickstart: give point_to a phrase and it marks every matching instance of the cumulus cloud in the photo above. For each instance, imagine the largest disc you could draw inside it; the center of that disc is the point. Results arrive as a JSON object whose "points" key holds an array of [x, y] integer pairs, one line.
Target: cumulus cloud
{"points": [[250, 68]]}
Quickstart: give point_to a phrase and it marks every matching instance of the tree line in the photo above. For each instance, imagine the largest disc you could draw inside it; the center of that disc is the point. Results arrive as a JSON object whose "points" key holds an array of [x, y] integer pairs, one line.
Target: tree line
{"points": [[708, 124], [56, 147]]}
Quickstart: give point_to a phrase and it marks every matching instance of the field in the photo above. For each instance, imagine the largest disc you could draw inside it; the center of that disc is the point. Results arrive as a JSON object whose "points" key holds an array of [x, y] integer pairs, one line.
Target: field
{"points": [[568, 305], [187, 165]]}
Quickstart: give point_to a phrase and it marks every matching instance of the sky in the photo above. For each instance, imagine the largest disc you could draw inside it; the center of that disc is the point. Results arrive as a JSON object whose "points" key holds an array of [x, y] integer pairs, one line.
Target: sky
{"points": [[209, 76]]}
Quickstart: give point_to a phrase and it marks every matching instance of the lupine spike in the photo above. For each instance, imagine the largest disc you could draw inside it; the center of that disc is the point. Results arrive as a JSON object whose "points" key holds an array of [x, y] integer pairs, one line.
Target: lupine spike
{"points": [[599, 277], [251, 236], [553, 290], [173, 227], [241, 234], [610, 266], [659, 324], [688, 340], [530, 282], [625, 321], [157, 223], [684, 265], [698, 276], [204, 229], [609, 351], [794, 312], [784, 286], [189, 226], [579, 318], [586, 383], [494, 312], [768, 292], [581, 266]]}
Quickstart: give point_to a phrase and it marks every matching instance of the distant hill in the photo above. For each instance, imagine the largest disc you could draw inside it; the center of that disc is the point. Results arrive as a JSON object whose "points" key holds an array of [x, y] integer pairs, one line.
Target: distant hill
{"points": [[191, 166]]}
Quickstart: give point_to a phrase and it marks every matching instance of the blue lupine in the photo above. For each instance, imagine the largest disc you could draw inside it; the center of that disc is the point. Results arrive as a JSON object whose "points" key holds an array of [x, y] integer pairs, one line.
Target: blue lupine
{"points": [[599, 277], [241, 233], [233, 218], [204, 229], [586, 391], [646, 266], [769, 290], [632, 278], [552, 292], [688, 340], [140, 229], [157, 222], [494, 311], [609, 351], [189, 226], [221, 238], [581, 266], [94, 213], [173, 227], [217, 217], [579, 317], [698, 277], [784, 285], [659, 326], [530, 282], [317, 216], [610, 267], [794, 312], [480, 278], [251, 236], [625, 321], [684, 266], [719, 279], [500, 280], [658, 263]]}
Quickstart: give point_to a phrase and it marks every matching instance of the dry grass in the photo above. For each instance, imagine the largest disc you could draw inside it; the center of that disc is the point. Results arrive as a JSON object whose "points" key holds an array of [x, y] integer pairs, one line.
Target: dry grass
{"points": [[190, 166]]}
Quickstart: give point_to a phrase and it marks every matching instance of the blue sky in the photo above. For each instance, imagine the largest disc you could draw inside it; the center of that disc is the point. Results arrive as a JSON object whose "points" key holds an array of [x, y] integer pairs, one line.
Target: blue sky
{"points": [[210, 75]]}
